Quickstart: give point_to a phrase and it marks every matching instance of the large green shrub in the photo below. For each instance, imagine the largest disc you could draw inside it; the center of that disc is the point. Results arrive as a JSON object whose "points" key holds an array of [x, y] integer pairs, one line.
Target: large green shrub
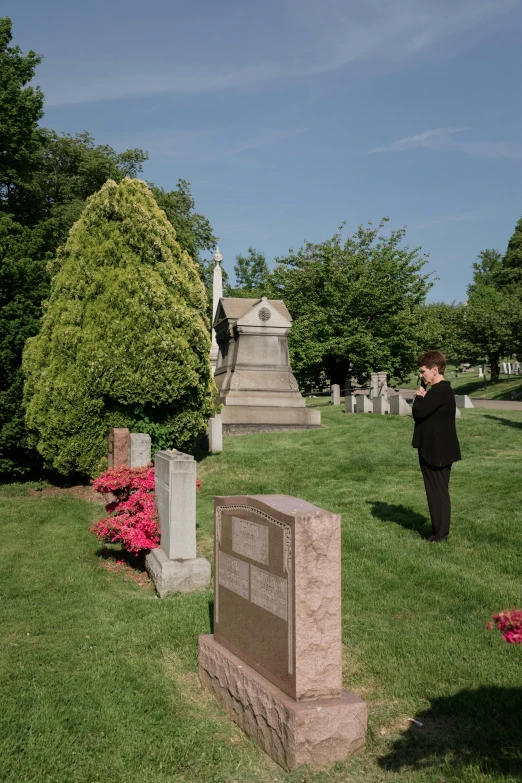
{"points": [[123, 337]]}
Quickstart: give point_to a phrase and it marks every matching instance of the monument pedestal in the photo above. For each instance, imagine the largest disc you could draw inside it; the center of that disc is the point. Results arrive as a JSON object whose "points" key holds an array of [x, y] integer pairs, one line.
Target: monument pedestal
{"points": [[177, 576], [239, 419], [314, 732]]}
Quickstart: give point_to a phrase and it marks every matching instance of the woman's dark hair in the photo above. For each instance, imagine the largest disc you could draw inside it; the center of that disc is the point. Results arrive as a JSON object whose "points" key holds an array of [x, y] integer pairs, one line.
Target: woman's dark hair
{"points": [[433, 359]]}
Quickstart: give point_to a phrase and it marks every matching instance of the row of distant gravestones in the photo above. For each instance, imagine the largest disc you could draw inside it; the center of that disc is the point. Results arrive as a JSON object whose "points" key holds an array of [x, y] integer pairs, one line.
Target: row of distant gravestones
{"points": [[274, 650]]}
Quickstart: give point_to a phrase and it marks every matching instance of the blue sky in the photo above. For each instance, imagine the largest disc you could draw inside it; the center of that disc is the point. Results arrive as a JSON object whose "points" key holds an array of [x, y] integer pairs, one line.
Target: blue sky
{"points": [[290, 116]]}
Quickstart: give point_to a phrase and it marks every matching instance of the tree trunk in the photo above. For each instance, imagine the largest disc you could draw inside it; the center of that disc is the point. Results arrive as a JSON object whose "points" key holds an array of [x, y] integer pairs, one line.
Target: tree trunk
{"points": [[495, 367]]}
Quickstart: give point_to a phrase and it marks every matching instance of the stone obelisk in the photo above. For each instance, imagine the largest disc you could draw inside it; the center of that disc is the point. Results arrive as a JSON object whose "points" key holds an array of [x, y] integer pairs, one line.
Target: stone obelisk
{"points": [[217, 293]]}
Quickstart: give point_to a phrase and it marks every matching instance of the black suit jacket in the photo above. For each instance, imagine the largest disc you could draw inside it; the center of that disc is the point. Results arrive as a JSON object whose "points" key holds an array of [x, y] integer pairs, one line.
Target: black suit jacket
{"points": [[435, 434]]}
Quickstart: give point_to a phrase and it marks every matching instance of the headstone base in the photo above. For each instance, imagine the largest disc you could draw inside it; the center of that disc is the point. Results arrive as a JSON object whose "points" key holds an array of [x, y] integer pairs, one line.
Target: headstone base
{"points": [[268, 418], [314, 732], [177, 576]]}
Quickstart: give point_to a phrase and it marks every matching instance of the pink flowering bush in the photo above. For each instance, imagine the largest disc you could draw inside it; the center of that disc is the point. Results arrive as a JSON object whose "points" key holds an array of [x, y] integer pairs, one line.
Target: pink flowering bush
{"points": [[133, 519], [509, 623]]}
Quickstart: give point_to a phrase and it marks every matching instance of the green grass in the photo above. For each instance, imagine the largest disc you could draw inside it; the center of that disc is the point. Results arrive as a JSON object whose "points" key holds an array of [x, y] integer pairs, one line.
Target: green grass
{"points": [[99, 678]]}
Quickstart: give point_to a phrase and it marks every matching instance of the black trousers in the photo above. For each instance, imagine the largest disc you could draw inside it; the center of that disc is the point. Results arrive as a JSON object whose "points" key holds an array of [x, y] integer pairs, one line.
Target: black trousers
{"points": [[436, 483]]}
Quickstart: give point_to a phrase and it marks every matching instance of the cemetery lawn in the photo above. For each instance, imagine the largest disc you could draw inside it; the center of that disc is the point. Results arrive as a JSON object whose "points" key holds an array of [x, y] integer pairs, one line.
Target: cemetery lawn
{"points": [[99, 677]]}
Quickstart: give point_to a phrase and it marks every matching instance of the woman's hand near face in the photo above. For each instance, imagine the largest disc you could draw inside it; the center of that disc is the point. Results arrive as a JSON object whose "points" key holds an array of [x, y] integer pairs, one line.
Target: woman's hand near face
{"points": [[421, 392]]}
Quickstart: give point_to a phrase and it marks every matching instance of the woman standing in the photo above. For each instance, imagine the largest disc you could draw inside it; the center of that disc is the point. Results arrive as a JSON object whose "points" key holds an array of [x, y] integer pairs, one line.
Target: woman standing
{"points": [[435, 437]]}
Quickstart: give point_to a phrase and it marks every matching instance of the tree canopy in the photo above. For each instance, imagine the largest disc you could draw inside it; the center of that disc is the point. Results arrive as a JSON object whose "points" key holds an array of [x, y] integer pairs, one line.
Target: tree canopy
{"points": [[124, 335], [356, 305]]}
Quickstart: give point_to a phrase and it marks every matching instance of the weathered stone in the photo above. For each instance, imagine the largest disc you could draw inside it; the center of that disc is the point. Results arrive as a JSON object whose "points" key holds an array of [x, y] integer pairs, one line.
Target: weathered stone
{"points": [[139, 449], [349, 403], [253, 374], [378, 384], [399, 406], [363, 404], [381, 405], [215, 434], [177, 576], [175, 479], [292, 732], [277, 602], [336, 394], [118, 441], [463, 401], [174, 567]]}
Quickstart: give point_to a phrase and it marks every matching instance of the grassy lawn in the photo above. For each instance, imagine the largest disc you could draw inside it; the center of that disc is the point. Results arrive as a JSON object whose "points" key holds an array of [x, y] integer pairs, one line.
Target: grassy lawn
{"points": [[99, 677]]}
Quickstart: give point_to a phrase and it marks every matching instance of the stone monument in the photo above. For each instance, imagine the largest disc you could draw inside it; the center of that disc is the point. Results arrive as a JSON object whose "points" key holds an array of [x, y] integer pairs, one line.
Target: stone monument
{"points": [[253, 375], [399, 406], [363, 404], [217, 293], [336, 394], [118, 443], [174, 567], [349, 402], [463, 401], [215, 434], [378, 385], [139, 449], [275, 659]]}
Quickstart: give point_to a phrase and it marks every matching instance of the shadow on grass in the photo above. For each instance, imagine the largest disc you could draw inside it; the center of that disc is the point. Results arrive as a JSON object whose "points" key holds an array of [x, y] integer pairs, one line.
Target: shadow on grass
{"points": [[411, 520], [474, 728], [136, 561], [506, 422], [211, 614]]}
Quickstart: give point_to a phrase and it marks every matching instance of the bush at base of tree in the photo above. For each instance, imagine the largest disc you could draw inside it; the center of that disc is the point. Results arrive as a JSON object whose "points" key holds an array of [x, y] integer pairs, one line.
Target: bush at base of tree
{"points": [[124, 333]]}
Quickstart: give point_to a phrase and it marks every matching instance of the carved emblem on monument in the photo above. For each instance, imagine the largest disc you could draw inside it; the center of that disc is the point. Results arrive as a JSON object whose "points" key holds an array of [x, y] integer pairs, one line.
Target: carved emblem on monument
{"points": [[264, 314]]}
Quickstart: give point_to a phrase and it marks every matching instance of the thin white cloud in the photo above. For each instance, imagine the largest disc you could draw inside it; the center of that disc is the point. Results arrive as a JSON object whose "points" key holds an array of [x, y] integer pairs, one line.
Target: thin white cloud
{"points": [[437, 138], [306, 38], [443, 139]]}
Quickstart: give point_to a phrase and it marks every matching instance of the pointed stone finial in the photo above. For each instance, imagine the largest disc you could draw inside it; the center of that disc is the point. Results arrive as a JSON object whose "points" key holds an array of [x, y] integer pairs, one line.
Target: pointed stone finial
{"points": [[218, 258]]}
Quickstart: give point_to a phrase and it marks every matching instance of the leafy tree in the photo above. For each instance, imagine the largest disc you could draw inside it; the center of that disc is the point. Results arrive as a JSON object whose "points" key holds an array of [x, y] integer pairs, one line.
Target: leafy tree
{"points": [[356, 305], [486, 269], [21, 107], [491, 325], [252, 275], [510, 272], [67, 170], [124, 334], [442, 322]]}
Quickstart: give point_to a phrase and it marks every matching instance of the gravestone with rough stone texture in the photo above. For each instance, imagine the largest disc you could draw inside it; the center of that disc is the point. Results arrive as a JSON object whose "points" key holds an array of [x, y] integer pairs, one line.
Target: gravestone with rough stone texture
{"points": [[215, 434], [399, 406], [118, 441], [381, 405], [174, 567], [363, 404], [349, 403], [336, 394], [274, 661], [480, 371], [139, 449]]}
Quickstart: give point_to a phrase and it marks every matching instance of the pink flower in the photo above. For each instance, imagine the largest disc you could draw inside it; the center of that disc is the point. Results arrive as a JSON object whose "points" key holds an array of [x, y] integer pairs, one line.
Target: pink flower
{"points": [[509, 622], [133, 519]]}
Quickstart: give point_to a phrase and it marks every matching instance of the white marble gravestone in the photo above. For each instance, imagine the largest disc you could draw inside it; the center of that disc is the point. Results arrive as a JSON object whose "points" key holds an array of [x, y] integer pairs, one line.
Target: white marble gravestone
{"points": [[174, 567]]}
